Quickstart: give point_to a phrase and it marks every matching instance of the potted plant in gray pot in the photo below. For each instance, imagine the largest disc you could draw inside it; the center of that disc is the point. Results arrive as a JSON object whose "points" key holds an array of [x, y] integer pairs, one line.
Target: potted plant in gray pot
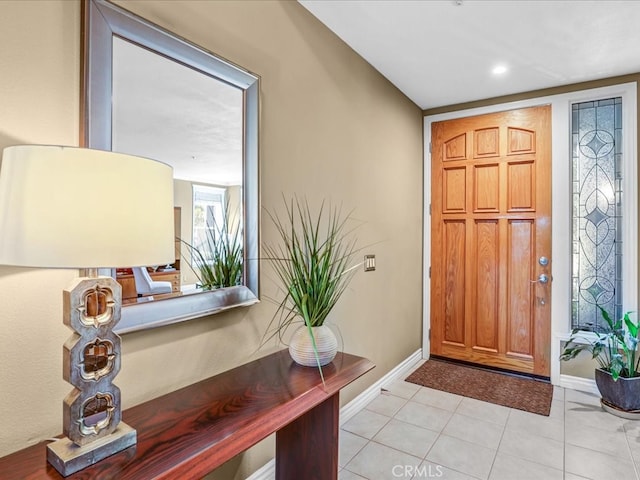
{"points": [[615, 350], [313, 260]]}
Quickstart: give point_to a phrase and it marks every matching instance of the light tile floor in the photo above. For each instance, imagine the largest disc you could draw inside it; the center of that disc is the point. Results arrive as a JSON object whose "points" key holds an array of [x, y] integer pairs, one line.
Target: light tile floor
{"points": [[413, 432]]}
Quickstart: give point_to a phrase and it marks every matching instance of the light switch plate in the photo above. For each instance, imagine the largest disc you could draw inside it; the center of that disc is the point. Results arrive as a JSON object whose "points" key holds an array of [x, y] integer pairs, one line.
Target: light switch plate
{"points": [[369, 263]]}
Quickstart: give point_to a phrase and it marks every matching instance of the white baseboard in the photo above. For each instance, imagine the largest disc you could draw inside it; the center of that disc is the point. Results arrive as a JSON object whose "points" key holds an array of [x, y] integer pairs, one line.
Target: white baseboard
{"points": [[268, 470], [400, 371], [579, 383]]}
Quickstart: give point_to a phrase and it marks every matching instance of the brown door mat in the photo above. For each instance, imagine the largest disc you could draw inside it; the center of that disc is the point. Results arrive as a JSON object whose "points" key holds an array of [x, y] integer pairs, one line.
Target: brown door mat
{"points": [[528, 394]]}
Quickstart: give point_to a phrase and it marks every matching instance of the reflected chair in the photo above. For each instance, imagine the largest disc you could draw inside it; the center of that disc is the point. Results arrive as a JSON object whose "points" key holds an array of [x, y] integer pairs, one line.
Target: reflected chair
{"points": [[145, 285]]}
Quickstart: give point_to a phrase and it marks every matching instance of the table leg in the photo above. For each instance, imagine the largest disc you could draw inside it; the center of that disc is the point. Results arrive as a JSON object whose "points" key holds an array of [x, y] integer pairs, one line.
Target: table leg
{"points": [[307, 448]]}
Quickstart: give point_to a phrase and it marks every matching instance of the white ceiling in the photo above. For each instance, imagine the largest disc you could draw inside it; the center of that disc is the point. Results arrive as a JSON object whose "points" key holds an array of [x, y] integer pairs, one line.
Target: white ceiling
{"points": [[441, 52], [172, 113]]}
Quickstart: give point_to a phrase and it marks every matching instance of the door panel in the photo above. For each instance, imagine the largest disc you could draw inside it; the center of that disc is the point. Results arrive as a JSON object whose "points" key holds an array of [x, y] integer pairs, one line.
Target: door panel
{"points": [[491, 209], [520, 315], [486, 293], [454, 301]]}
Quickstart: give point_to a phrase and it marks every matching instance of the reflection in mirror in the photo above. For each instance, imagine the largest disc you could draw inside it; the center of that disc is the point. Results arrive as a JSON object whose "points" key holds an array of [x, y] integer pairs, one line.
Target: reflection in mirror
{"points": [[149, 93], [205, 152]]}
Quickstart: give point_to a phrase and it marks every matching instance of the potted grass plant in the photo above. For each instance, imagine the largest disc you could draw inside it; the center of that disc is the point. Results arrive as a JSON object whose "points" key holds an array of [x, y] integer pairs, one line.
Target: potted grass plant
{"points": [[616, 353], [218, 259], [314, 262]]}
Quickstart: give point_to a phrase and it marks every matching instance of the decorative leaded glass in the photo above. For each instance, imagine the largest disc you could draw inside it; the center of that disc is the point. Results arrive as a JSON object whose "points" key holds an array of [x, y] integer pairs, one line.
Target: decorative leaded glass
{"points": [[596, 129]]}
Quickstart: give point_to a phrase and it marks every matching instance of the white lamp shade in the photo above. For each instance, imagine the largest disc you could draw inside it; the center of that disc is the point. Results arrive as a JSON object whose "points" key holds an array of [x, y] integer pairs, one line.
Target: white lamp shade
{"points": [[67, 207]]}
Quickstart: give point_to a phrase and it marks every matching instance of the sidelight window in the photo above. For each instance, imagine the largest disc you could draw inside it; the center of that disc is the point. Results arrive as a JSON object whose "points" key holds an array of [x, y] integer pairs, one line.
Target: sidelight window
{"points": [[597, 215]]}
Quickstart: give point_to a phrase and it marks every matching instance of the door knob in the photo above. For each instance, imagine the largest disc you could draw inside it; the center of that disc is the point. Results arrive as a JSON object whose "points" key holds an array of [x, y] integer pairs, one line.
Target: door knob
{"points": [[543, 278]]}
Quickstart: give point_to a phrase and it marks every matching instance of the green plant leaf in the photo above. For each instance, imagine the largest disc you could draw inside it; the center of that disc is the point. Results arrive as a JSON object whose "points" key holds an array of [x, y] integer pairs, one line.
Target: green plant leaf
{"points": [[615, 349], [315, 351], [219, 259], [313, 259], [632, 327]]}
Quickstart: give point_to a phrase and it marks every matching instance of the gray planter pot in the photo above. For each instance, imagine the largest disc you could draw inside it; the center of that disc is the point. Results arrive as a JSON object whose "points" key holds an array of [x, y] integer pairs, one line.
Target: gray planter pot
{"points": [[301, 346], [623, 393]]}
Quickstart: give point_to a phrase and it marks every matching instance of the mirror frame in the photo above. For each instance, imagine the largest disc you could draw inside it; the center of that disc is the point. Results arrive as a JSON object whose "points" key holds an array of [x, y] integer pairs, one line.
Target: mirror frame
{"points": [[100, 22]]}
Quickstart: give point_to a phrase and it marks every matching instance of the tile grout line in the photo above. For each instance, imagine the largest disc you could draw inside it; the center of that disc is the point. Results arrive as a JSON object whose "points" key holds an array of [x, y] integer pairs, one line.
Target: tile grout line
{"points": [[564, 435], [565, 403], [633, 462], [441, 433], [371, 440], [504, 429]]}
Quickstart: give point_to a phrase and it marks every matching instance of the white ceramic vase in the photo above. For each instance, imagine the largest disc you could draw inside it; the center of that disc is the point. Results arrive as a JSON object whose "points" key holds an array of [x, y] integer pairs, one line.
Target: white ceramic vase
{"points": [[301, 346]]}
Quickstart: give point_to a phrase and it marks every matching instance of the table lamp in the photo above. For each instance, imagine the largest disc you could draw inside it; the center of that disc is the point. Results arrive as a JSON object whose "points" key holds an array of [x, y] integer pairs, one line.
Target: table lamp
{"points": [[67, 207]]}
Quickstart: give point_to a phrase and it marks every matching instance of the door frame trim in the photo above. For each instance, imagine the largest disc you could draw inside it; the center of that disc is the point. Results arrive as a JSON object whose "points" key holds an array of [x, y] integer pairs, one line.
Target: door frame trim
{"points": [[561, 204]]}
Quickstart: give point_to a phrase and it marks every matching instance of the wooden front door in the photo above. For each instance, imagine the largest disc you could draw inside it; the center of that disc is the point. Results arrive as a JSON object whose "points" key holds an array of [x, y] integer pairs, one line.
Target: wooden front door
{"points": [[490, 229]]}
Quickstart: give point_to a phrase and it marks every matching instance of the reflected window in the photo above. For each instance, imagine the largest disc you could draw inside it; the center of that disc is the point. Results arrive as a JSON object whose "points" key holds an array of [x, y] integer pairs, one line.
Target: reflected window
{"points": [[208, 213]]}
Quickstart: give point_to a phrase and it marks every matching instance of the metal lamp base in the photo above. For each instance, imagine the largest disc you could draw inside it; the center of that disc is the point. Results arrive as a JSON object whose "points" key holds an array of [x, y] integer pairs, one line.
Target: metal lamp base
{"points": [[68, 458]]}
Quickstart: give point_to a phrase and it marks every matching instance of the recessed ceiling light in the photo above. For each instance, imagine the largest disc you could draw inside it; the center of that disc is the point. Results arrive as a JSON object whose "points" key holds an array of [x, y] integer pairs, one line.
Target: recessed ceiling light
{"points": [[499, 69]]}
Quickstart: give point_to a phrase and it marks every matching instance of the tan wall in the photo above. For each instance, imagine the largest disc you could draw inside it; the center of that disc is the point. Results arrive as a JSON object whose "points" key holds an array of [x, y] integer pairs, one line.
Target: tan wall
{"points": [[330, 127], [583, 366]]}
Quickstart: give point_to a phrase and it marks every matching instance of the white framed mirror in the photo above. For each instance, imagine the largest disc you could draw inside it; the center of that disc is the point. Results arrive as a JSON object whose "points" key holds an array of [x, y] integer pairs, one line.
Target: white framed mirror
{"points": [[151, 93]]}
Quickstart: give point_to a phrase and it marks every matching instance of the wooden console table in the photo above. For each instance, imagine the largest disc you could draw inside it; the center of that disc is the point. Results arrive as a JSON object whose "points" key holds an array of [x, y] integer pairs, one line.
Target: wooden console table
{"points": [[190, 432]]}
